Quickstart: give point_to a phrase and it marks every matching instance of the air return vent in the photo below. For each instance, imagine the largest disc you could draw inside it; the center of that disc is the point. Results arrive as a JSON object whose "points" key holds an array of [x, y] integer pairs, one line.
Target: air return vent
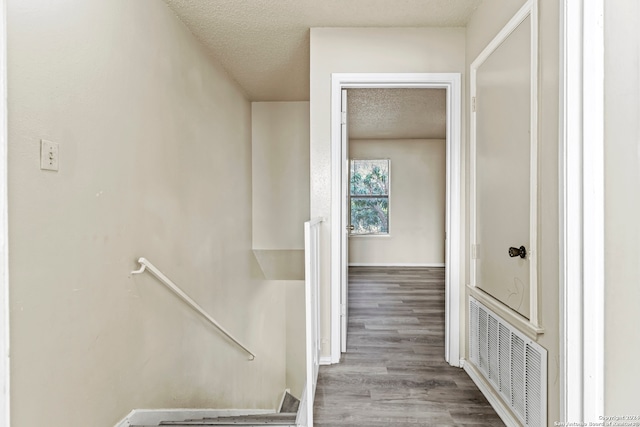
{"points": [[513, 364]]}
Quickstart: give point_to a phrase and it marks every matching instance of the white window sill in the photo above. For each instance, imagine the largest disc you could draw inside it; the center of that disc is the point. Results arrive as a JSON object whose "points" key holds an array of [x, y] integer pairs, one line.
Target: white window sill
{"points": [[377, 236]]}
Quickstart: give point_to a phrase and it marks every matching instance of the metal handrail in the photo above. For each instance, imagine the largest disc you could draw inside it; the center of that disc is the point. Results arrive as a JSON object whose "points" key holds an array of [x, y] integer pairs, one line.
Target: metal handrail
{"points": [[146, 265]]}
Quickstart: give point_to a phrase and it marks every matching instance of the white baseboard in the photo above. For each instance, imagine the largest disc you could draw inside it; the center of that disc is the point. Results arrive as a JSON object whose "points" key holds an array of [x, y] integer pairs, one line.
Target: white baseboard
{"points": [[301, 418], [494, 399], [153, 417], [396, 264], [125, 421], [325, 360]]}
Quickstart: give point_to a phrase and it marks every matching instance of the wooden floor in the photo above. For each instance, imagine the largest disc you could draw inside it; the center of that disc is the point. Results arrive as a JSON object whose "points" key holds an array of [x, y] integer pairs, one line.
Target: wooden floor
{"points": [[394, 373]]}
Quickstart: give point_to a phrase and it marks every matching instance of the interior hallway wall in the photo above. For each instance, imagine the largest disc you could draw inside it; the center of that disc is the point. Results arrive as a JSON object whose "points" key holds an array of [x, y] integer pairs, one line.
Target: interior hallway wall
{"points": [[280, 176], [155, 161], [280, 135], [622, 205], [487, 21], [416, 203], [363, 50], [296, 369]]}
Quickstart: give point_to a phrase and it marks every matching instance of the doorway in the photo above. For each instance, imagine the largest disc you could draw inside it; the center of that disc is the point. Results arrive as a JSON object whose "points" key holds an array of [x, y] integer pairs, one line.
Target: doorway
{"points": [[450, 82], [396, 144], [396, 184]]}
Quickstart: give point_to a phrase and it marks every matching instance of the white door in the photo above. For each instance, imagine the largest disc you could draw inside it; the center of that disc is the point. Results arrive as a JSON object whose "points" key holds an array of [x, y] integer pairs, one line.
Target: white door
{"points": [[345, 228], [503, 171]]}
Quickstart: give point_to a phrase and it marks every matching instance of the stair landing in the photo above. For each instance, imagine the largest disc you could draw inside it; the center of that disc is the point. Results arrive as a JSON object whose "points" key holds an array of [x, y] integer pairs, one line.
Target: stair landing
{"points": [[277, 419]]}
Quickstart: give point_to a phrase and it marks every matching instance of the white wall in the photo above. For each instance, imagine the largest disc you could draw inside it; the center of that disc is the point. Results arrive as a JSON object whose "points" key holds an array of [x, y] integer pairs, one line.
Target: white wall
{"points": [[296, 334], [280, 177], [155, 161], [487, 21], [4, 233], [416, 203], [622, 199], [360, 50], [280, 135]]}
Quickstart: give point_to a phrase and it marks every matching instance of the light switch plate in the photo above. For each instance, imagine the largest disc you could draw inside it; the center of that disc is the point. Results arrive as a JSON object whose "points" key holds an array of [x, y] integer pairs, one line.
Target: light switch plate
{"points": [[49, 155]]}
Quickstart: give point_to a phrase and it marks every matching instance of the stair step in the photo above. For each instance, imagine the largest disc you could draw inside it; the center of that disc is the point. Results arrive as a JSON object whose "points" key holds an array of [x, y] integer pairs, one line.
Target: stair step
{"points": [[278, 419], [221, 423], [290, 403]]}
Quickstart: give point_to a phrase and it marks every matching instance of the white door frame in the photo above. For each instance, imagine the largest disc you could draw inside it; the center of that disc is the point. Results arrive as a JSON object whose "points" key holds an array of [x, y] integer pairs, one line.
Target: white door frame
{"points": [[4, 227], [581, 210], [452, 83], [345, 220]]}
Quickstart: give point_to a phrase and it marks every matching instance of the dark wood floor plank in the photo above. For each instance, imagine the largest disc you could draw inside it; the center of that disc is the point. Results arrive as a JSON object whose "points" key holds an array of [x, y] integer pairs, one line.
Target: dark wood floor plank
{"points": [[394, 372]]}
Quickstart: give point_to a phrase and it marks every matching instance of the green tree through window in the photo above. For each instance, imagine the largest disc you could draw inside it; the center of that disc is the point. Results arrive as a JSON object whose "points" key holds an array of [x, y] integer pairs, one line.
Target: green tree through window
{"points": [[369, 187]]}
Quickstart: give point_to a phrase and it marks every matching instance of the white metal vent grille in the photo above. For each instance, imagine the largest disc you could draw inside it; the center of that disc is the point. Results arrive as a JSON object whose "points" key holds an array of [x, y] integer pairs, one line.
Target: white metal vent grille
{"points": [[513, 364], [473, 333], [482, 340], [517, 375], [533, 389], [493, 348], [505, 362]]}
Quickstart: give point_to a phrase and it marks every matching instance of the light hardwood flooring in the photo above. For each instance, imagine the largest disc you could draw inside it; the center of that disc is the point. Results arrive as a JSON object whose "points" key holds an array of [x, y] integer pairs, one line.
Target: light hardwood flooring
{"points": [[394, 373]]}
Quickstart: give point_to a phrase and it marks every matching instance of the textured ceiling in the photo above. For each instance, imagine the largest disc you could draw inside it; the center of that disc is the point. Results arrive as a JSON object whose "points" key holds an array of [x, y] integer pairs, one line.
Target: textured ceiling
{"points": [[264, 44], [397, 113]]}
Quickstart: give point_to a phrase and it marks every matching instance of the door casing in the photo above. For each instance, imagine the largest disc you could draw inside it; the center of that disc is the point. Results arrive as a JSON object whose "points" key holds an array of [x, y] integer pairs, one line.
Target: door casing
{"points": [[345, 220], [582, 219], [451, 82]]}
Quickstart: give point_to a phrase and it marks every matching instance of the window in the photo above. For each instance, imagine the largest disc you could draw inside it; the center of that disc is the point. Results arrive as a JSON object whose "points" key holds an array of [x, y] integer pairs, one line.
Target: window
{"points": [[369, 186]]}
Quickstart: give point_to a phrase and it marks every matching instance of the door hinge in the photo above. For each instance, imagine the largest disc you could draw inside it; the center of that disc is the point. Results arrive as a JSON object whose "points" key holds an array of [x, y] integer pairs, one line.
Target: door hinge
{"points": [[343, 118], [343, 310], [474, 251], [473, 104]]}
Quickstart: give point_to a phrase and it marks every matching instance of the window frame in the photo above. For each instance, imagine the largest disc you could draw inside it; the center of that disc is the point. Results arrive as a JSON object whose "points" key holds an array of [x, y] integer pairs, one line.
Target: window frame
{"points": [[372, 196]]}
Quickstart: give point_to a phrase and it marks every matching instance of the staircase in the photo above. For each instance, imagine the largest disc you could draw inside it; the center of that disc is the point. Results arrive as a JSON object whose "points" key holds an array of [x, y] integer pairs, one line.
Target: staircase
{"points": [[285, 418], [277, 419], [293, 412]]}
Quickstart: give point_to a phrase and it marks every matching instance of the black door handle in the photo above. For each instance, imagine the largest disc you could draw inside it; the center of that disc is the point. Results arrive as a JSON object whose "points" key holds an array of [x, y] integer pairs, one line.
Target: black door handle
{"points": [[521, 252]]}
